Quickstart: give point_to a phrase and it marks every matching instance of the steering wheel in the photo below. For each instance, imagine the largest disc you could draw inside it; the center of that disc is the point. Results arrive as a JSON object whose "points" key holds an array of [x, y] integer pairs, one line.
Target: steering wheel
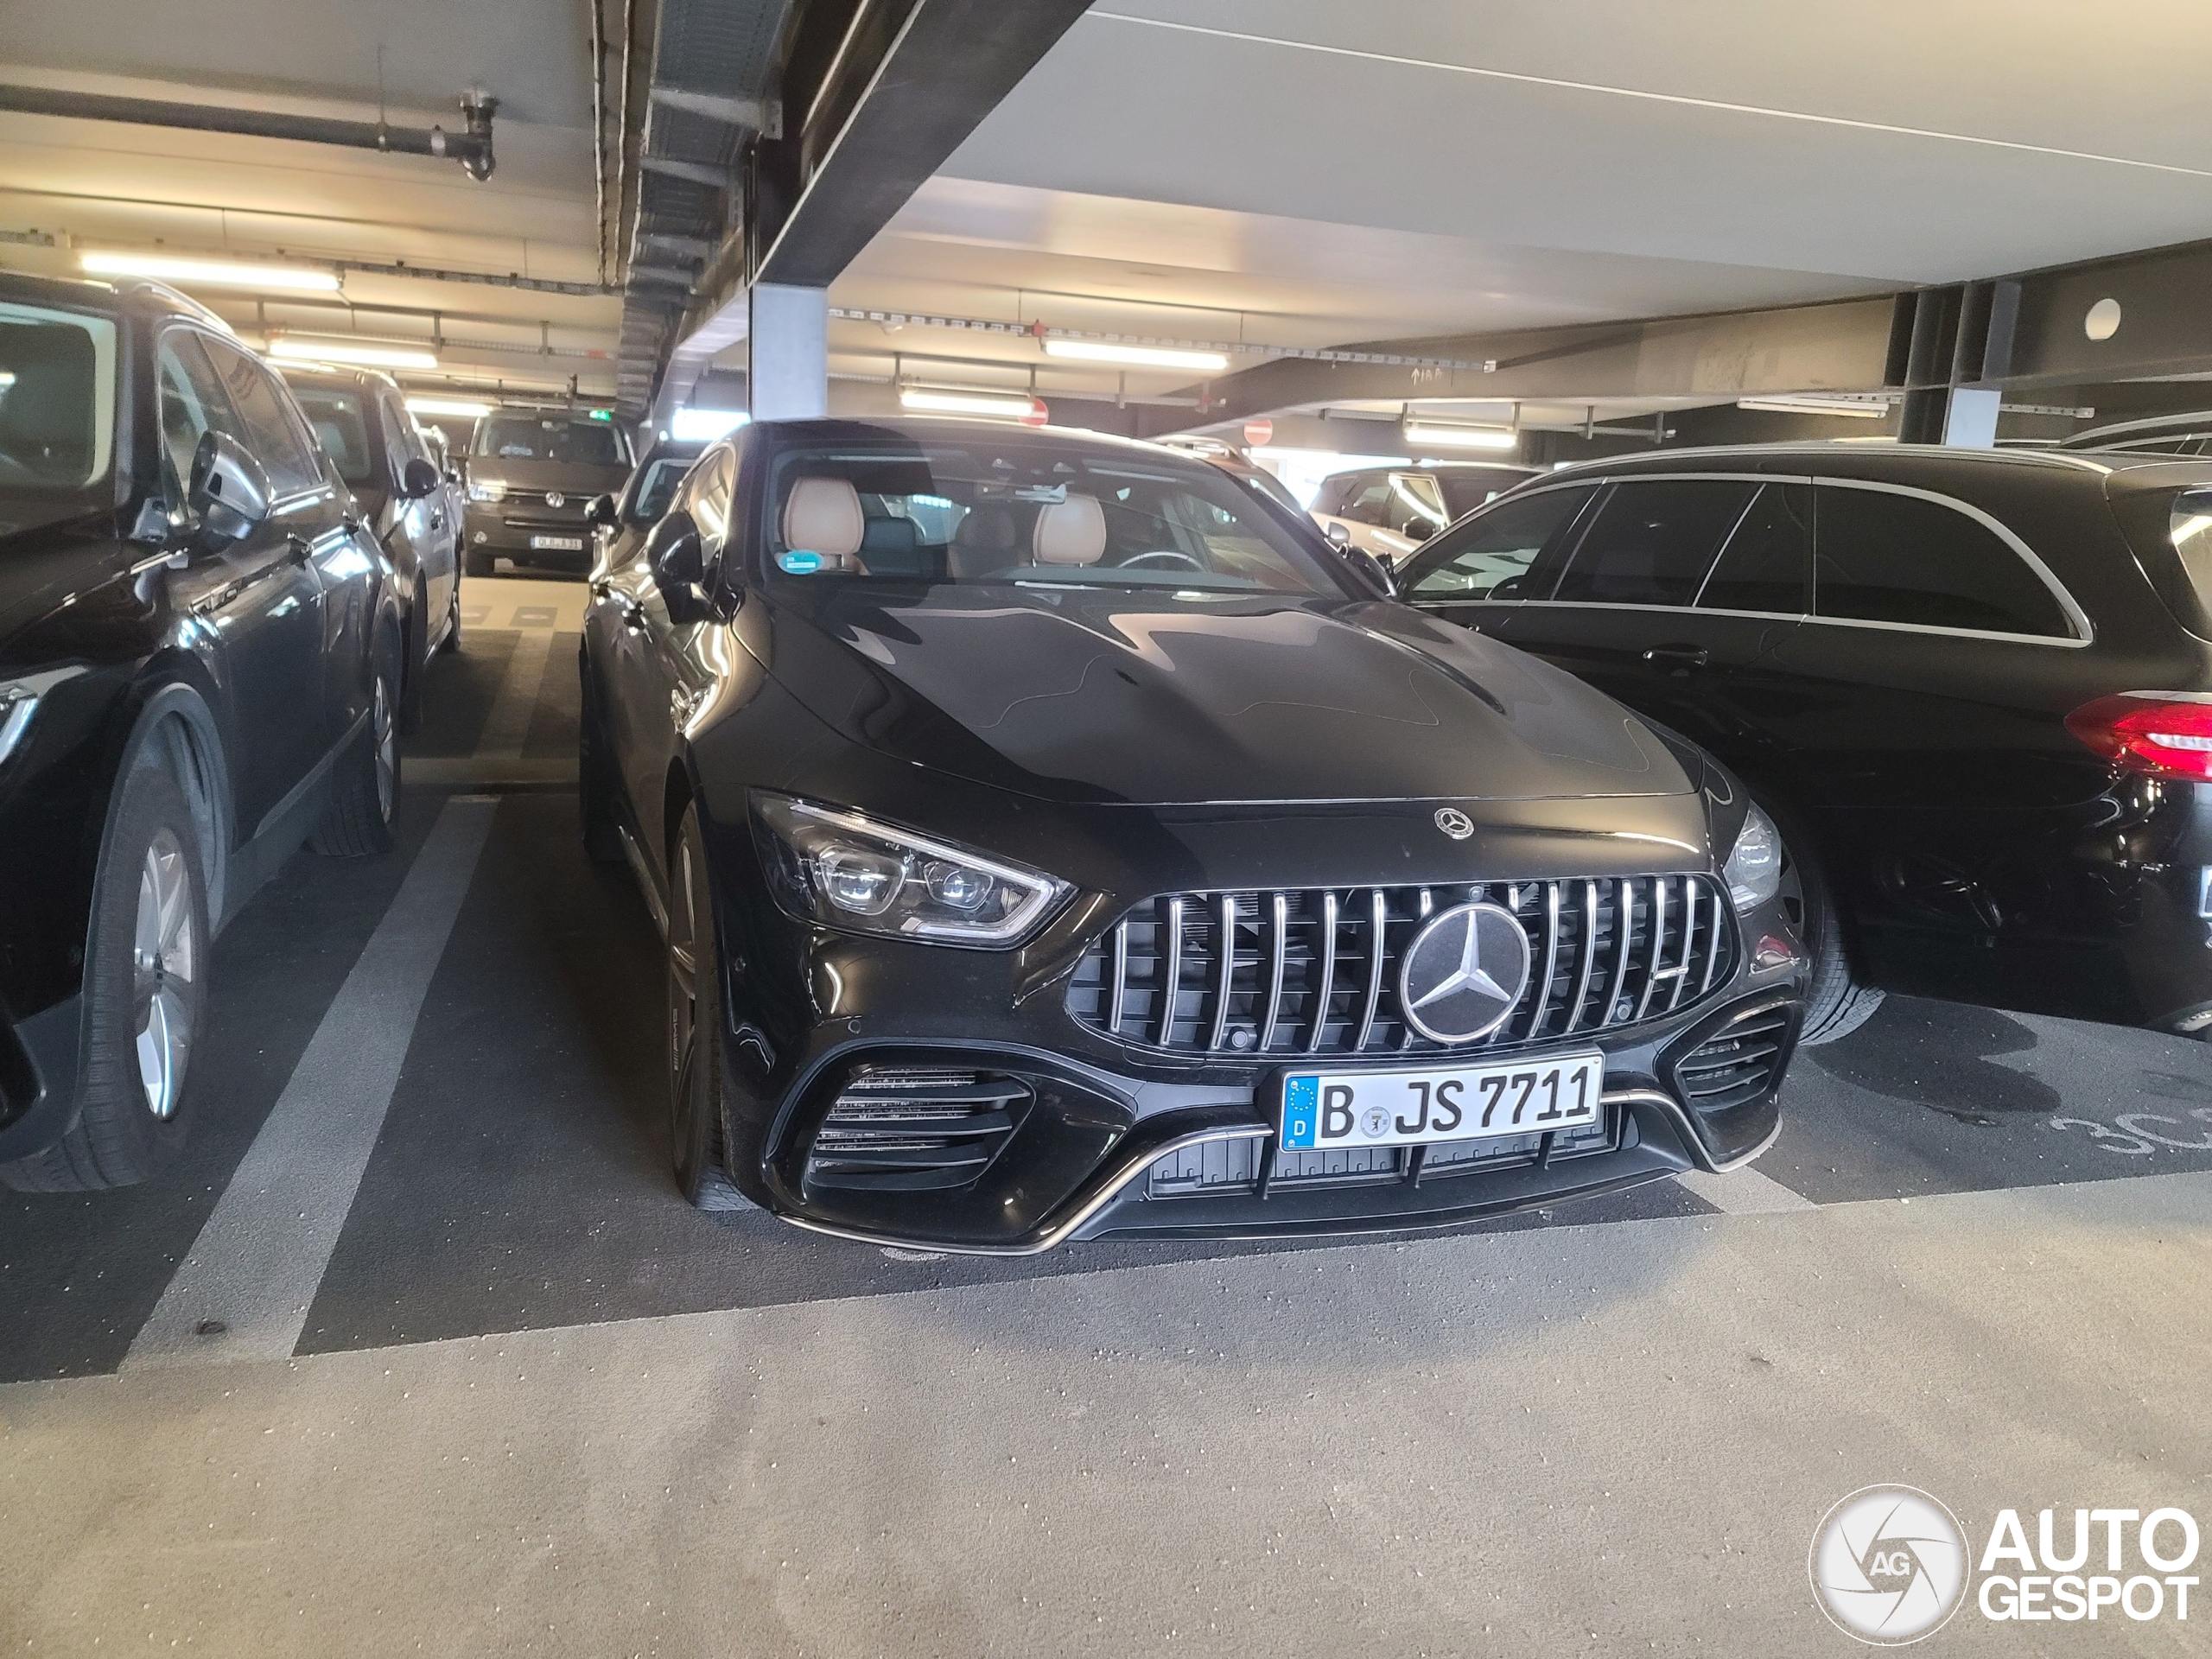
{"points": [[1167, 553]]}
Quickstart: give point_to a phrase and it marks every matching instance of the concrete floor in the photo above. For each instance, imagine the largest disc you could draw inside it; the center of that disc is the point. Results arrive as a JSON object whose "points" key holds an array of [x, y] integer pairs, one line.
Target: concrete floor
{"points": [[484, 1385]]}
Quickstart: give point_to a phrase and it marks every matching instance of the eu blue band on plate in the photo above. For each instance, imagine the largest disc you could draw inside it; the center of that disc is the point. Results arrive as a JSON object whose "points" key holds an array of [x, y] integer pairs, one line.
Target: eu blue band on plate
{"points": [[799, 562], [1301, 1098]]}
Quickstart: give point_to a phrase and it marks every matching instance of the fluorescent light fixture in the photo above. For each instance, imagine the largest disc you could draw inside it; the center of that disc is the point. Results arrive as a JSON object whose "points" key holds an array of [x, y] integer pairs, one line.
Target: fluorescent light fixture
{"points": [[376, 355], [1857, 408], [997, 406], [1147, 356], [705, 425], [1445, 436], [465, 407], [210, 273]]}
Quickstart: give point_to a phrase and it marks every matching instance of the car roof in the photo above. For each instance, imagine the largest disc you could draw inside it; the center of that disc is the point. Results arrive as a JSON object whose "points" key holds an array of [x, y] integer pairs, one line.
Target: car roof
{"points": [[333, 374], [131, 293]]}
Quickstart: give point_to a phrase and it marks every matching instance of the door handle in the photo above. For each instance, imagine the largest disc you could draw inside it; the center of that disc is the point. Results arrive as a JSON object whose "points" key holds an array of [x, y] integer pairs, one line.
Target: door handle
{"points": [[296, 548], [1678, 658]]}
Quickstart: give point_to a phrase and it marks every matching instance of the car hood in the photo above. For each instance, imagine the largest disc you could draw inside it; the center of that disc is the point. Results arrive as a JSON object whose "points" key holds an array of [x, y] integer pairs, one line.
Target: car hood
{"points": [[48, 555], [565, 476], [1110, 696]]}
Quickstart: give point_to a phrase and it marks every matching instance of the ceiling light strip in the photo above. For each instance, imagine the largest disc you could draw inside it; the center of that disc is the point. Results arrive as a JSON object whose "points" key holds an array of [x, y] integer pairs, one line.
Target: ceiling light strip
{"points": [[1212, 347]]}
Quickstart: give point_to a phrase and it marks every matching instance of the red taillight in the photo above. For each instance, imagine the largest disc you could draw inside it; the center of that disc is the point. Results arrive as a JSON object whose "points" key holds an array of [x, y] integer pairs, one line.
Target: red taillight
{"points": [[2143, 731]]}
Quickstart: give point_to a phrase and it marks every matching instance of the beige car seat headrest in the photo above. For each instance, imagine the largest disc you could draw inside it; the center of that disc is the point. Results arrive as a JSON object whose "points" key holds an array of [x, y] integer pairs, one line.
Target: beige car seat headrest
{"points": [[1072, 532], [823, 516]]}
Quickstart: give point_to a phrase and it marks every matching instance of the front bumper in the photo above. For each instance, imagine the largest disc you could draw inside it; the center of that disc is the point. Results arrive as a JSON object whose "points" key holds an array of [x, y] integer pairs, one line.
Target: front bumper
{"points": [[505, 530]]}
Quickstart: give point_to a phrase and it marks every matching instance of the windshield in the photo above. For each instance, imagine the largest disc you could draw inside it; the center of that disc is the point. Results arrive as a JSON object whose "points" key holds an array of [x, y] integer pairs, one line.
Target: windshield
{"points": [[1029, 510], [342, 430], [57, 399], [2171, 531], [551, 437]]}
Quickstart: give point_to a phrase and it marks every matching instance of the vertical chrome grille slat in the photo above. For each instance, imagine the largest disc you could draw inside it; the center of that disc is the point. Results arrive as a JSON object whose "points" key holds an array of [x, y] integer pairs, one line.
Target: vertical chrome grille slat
{"points": [[1278, 925], [1378, 912], [1226, 981], [1247, 1001], [1326, 990], [1656, 960], [1121, 991], [1170, 967], [1589, 954]]}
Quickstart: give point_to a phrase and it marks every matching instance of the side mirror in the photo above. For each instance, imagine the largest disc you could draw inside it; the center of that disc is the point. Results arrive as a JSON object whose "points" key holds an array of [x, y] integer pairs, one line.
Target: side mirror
{"points": [[602, 513], [417, 478], [1420, 530], [674, 554], [1340, 533], [228, 491]]}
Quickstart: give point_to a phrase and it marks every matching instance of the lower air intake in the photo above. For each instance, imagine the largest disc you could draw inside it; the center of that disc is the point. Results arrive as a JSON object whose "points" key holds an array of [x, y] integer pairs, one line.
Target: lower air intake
{"points": [[1735, 1064], [914, 1130]]}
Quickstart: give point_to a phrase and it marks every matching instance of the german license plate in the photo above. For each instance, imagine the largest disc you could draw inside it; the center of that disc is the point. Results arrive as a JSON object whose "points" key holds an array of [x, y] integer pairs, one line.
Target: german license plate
{"points": [[558, 543], [1325, 1110]]}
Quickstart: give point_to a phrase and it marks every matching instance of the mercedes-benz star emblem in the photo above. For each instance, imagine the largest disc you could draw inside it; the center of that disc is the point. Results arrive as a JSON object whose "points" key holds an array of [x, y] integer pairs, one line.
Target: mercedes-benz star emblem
{"points": [[1464, 972], [1454, 822], [554, 499]]}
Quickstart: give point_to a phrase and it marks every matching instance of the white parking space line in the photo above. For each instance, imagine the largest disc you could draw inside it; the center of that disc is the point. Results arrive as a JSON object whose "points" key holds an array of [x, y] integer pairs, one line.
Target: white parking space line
{"points": [[508, 724], [1744, 1192], [242, 1291]]}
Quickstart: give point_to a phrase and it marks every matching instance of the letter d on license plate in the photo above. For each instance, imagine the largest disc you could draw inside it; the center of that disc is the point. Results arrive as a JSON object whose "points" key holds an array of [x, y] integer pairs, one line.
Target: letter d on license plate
{"points": [[1322, 1110]]}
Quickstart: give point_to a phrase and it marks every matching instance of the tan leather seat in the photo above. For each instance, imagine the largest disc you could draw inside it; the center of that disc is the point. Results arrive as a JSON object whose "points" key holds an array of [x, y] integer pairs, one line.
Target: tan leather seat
{"points": [[1072, 532], [823, 516]]}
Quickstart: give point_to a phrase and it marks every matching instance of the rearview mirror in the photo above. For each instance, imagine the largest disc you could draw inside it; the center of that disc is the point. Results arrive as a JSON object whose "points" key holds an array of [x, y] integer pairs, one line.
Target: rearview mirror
{"points": [[228, 491], [677, 561], [601, 511], [417, 478]]}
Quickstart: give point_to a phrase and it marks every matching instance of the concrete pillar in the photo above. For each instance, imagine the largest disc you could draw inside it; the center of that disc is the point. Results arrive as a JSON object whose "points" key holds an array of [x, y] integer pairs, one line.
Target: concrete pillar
{"points": [[790, 336], [1971, 420]]}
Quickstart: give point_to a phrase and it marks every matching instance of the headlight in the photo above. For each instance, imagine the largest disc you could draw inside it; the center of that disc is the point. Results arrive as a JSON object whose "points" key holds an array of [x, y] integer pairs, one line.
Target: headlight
{"points": [[491, 490], [844, 870], [1754, 866]]}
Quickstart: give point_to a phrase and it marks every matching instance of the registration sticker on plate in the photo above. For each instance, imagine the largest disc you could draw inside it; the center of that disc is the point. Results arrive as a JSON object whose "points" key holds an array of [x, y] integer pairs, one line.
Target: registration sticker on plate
{"points": [[1330, 1109], [558, 543]]}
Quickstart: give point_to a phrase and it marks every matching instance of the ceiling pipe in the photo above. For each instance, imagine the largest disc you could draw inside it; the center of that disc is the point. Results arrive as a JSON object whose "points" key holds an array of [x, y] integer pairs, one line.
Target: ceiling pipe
{"points": [[472, 146]]}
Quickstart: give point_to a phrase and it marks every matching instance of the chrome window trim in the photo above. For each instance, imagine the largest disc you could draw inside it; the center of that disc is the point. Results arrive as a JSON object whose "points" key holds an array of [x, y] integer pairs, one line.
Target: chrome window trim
{"points": [[2084, 631]]}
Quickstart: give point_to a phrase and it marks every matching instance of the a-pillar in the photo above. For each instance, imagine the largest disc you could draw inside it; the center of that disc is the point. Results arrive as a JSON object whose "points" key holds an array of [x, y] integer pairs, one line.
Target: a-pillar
{"points": [[790, 336]]}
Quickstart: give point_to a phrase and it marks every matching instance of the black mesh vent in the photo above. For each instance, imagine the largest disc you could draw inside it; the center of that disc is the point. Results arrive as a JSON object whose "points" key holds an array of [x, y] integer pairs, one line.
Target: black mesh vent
{"points": [[1735, 1064], [914, 1128], [1219, 1168], [1315, 971]]}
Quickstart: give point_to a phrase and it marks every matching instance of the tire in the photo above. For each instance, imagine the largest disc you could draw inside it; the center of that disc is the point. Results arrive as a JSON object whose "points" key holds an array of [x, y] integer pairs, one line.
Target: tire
{"points": [[145, 998], [476, 563], [695, 1026], [596, 787], [1836, 1003], [365, 788], [415, 655]]}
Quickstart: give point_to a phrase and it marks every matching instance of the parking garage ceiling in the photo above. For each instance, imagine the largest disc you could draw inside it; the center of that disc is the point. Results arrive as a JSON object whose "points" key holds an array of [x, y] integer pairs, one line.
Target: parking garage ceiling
{"points": [[1288, 174]]}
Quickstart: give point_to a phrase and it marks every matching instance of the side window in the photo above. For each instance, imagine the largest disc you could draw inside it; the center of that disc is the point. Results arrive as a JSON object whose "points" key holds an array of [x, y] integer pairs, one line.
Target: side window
{"points": [[401, 446], [1766, 565], [192, 401], [1487, 556], [266, 422], [1653, 541], [1885, 557], [1370, 503]]}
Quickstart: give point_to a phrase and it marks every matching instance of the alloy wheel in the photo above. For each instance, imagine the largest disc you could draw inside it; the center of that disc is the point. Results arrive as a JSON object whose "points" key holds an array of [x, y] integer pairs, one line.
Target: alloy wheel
{"points": [[683, 993], [163, 962], [387, 741]]}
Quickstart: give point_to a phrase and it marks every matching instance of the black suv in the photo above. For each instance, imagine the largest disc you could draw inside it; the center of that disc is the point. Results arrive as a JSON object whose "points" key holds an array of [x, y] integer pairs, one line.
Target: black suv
{"points": [[532, 473], [361, 420], [1974, 687], [199, 667]]}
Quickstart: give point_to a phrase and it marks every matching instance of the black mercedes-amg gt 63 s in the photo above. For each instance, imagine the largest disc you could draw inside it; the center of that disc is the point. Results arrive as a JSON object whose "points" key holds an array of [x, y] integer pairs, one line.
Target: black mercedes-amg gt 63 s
{"points": [[199, 668], [1053, 838]]}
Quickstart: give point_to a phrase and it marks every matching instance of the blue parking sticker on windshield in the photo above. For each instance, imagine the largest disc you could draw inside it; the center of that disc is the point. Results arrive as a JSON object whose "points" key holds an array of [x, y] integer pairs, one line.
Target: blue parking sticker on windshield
{"points": [[1301, 1095], [799, 562]]}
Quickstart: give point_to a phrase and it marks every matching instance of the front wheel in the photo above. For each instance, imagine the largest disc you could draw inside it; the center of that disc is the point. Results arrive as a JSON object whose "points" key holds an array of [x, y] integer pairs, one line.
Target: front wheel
{"points": [[364, 788], [145, 998], [1836, 1003], [694, 1024]]}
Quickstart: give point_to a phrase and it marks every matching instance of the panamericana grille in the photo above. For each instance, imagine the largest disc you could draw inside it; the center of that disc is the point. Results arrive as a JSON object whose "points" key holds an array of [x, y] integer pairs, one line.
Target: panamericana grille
{"points": [[1735, 1064], [1315, 971], [914, 1128]]}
